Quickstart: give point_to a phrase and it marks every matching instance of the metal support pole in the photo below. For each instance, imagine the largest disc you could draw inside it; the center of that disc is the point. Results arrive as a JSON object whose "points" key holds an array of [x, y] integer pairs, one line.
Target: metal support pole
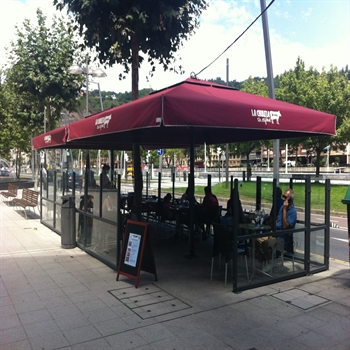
{"points": [[276, 143], [258, 193], [191, 183], [307, 216], [227, 153], [173, 183], [87, 86], [327, 219], [119, 228]]}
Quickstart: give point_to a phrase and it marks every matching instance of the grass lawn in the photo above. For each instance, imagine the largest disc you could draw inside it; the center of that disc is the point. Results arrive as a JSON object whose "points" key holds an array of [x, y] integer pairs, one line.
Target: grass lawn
{"points": [[247, 192]]}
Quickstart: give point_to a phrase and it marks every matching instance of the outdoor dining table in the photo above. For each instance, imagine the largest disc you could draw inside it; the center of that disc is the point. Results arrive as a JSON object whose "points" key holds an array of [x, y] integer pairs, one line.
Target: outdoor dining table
{"points": [[149, 205], [182, 211]]}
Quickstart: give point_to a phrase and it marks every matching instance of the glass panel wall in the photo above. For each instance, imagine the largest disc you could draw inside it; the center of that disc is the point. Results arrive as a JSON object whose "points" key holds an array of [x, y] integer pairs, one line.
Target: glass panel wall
{"points": [[269, 258], [282, 264], [97, 224], [317, 247]]}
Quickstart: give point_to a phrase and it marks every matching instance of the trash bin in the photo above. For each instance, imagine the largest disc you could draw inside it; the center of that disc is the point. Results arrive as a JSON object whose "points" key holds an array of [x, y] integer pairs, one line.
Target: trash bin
{"points": [[68, 240]]}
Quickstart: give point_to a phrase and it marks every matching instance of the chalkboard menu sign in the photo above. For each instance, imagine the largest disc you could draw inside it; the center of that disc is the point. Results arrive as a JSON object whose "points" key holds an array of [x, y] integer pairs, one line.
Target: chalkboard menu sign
{"points": [[137, 252]]}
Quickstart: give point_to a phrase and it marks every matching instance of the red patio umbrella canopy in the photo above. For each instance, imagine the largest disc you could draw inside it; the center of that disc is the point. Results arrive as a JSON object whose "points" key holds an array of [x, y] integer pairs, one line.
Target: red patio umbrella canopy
{"points": [[53, 139], [215, 113]]}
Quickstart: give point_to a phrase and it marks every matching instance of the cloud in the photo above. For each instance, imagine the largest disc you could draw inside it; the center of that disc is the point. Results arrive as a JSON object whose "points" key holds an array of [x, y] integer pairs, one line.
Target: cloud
{"points": [[220, 25], [306, 14]]}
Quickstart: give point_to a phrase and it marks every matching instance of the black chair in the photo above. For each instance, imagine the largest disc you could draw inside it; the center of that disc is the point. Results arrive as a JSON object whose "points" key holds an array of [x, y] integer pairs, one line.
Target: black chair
{"points": [[222, 247], [184, 220], [214, 218]]}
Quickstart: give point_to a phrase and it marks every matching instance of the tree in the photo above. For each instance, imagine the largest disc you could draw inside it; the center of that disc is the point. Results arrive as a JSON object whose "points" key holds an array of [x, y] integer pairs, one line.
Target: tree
{"points": [[326, 91], [233, 83], [344, 131], [246, 148], [173, 155], [6, 104], [37, 70], [15, 133], [256, 86], [120, 30]]}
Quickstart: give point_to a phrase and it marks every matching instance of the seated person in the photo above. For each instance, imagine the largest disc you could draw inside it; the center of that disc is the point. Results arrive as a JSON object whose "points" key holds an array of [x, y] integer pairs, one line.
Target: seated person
{"points": [[167, 213], [186, 196], [105, 179], [230, 206], [227, 220], [183, 215], [286, 219], [206, 215]]}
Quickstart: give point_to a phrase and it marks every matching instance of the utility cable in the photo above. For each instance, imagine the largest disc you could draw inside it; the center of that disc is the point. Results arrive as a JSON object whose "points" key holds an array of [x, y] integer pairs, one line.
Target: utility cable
{"points": [[195, 75]]}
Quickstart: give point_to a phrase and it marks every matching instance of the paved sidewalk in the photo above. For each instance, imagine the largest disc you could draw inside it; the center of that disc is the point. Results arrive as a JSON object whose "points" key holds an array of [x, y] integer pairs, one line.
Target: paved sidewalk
{"points": [[54, 298]]}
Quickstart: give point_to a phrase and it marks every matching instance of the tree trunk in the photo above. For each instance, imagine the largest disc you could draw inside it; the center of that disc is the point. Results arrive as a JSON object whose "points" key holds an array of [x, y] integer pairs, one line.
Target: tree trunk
{"points": [[18, 163], [138, 185]]}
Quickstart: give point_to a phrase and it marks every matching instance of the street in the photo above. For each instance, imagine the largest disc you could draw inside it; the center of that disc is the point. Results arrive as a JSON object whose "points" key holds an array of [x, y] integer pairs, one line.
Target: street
{"points": [[339, 246]]}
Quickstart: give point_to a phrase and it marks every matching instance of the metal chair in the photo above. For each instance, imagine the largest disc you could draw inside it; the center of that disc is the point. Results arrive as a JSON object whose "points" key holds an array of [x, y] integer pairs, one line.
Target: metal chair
{"points": [[281, 250], [222, 246], [214, 218]]}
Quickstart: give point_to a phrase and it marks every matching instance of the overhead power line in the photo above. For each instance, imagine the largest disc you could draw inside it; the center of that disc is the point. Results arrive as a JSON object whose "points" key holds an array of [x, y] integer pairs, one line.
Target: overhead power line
{"points": [[195, 75]]}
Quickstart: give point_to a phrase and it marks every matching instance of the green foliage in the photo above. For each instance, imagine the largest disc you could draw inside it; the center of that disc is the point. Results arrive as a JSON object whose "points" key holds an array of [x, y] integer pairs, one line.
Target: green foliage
{"points": [[118, 28], [37, 71], [326, 91], [256, 86], [15, 134], [344, 130], [233, 83]]}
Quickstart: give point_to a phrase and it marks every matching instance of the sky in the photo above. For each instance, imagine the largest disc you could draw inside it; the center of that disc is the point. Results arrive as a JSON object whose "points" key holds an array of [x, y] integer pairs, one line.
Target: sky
{"points": [[317, 31]]}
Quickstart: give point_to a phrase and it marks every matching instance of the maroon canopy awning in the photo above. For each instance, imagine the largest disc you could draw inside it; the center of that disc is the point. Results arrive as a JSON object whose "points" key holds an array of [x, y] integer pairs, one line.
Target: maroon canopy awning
{"points": [[196, 112], [53, 139], [215, 113]]}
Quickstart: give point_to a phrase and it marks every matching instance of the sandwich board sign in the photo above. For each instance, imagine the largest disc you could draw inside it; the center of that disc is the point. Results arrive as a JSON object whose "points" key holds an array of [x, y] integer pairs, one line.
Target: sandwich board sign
{"points": [[137, 252]]}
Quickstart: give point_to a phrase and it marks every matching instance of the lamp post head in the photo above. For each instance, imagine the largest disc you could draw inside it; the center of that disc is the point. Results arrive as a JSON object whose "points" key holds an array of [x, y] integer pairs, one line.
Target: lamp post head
{"points": [[75, 69], [98, 73]]}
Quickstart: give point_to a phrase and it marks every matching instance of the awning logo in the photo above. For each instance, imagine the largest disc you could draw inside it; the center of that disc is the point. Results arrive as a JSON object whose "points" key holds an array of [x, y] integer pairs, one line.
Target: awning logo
{"points": [[263, 116], [47, 139], [102, 123]]}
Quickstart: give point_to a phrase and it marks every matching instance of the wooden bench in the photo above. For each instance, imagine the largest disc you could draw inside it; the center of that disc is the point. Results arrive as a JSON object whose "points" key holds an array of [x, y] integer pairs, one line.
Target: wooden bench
{"points": [[29, 199], [11, 191]]}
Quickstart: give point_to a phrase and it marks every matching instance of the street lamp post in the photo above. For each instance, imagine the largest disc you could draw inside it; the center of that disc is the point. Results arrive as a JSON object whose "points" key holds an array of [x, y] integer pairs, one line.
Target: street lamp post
{"points": [[75, 69], [218, 152], [98, 72], [99, 93]]}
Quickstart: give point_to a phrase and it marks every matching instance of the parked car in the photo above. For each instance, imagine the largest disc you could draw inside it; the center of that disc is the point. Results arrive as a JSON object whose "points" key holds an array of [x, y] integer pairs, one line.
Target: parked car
{"points": [[78, 180], [199, 164], [4, 172], [289, 163]]}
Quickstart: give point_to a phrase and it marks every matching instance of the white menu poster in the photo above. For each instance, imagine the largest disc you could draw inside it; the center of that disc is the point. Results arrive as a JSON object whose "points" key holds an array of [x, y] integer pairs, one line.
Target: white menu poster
{"points": [[132, 249]]}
